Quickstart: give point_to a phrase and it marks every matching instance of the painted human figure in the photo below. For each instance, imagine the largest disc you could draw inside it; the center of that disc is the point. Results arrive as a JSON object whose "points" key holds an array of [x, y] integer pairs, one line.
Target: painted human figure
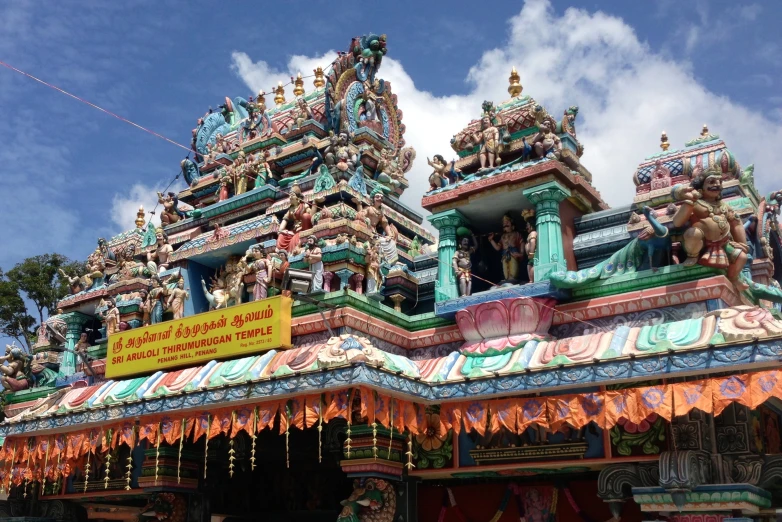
{"points": [[224, 193], [157, 257], [546, 142], [462, 264], [260, 265], [716, 236], [489, 139], [510, 246], [13, 368], [259, 167], [372, 259], [75, 283], [314, 258], [177, 298], [530, 246], [240, 174], [297, 219], [112, 318], [155, 298], [302, 112], [171, 213], [442, 173], [376, 217]]}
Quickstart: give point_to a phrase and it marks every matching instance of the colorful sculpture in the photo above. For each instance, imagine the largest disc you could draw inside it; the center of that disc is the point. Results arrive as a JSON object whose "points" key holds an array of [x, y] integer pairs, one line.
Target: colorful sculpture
{"points": [[227, 285], [177, 298], [372, 500], [12, 373], [314, 258], [171, 213], [259, 264], [510, 246], [462, 263], [715, 237], [488, 141], [297, 219]]}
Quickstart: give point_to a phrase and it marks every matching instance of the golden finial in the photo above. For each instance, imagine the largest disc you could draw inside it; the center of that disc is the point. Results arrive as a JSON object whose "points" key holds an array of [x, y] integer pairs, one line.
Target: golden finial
{"points": [[140, 217], [298, 85], [261, 100], [279, 94], [515, 83], [704, 131], [319, 80], [664, 141]]}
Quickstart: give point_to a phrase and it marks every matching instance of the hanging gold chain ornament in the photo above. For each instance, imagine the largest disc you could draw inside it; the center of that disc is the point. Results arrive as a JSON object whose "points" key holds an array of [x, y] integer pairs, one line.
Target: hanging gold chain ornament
{"points": [[87, 465], [231, 450], [45, 465], [108, 459], [320, 427], [157, 453], [206, 442], [253, 437], [129, 465], [391, 431], [179, 457]]}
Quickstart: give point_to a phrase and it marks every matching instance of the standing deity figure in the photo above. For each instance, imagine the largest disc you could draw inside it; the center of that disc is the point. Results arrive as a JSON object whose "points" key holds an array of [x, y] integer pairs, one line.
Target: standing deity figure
{"points": [[462, 264], [297, 219], [145, 307], [240, 174], [511, 247], [14, 368], [532, 242], [716, 237], [111, 316], [177, 298], [375, 216], [155, 299], [226, 176], [259, 168], [260, 265], [171, 213], [372, 259], [345, 159], [313, 256], [158, 254], [546, 143], [488, 138]]}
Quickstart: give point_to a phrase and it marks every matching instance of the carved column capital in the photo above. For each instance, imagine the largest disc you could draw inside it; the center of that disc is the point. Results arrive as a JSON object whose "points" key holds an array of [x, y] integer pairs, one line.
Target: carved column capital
{"points": [[551, 191], [450, 219]]}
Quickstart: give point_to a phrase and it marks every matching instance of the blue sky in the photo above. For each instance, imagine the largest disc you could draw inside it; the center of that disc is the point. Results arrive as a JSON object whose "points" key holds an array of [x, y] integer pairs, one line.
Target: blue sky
{"points": [[71, 174]]}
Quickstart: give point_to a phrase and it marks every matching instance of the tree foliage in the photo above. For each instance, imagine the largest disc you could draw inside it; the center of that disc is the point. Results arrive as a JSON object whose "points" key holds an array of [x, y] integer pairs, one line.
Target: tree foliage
{"points": [[35, 280]]}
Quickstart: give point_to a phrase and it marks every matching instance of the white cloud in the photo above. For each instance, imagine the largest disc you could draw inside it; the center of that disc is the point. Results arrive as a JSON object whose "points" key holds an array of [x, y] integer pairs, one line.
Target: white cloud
{"points": [[627, 94], [124, 206]]}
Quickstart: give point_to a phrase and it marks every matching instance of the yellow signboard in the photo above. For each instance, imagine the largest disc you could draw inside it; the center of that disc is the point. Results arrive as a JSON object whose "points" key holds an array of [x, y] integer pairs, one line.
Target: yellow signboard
{"points": [[220, 334]]}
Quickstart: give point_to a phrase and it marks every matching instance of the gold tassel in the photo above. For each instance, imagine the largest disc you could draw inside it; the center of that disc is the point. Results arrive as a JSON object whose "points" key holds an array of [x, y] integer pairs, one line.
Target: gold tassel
{"points": [[129, 461], [206, 442], [231, 451], [108, 460], [348, 440], [45, 465], [409, 453], [254, 436], [320, 427], [87, 465], [374, 440], [287, 436], [157, 453], [179, 457], [391, 435], [26, 482]]}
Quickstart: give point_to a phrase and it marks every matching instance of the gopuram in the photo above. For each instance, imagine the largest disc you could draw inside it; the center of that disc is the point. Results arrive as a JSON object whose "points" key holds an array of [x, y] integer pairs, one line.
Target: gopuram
{"points": [[289, 342]]}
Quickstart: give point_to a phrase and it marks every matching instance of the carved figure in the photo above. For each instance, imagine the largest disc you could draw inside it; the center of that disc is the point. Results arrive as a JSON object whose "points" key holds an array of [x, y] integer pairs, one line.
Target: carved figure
{"points": [[373, 260], [177, 298], [75, 283], [259, 264], [510, 246], [171, 213], [372, 500], [716, 236], [302, 112], [259, 168], [227, 286], [546, 143], [330, 152], [297, 219], [462, 264], [376, 217], [240, 174], [111, 317], [155, 299], [345, 159], [314, 258], [439, 177], [170, 507], [158, 254], [532, 242], [13, 373], [225, 181], [488, 138]]}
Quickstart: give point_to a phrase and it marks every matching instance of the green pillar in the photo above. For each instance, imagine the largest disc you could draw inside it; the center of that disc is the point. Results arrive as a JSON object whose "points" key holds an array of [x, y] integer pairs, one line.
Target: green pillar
{"points": [[550, 253], [75, 322], [446, 223]]}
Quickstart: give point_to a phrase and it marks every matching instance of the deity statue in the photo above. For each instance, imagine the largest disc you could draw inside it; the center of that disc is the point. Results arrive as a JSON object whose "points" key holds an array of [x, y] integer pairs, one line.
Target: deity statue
{"points": [[177, 298], [259, 168], [96, 267], [240, 174], [145, 307], [345, 159], [171, 213], [108, 255], [297, 219], [330, 152], [301, 112], [75, 283], [443, 173], [82, 345], [375, 216], [488, 138], [13, 373], [227, 285], [532, 242], [313, 256], [546, 143], [260, 265], [373, 260], [462, 264], [155, 298], [158, 254], [716, 236], [111, 317], [510, 246], [226, 178]]}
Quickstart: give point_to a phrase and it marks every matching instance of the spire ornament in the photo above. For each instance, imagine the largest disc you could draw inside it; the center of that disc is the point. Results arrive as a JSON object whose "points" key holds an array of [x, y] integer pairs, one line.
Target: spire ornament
{"points": [[515, 87], [279, 94], [140, 217], [319, 80], [298, 85], [664, 141]]}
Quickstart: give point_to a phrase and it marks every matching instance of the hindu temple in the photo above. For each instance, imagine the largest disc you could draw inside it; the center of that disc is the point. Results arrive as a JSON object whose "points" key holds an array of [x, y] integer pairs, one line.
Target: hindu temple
{"points": [[286, 340]]}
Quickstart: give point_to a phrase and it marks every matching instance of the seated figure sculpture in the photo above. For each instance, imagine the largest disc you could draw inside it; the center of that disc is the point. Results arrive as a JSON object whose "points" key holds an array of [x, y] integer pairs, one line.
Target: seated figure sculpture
{"points": [[297, 219], [716, 237], [12, 374]]}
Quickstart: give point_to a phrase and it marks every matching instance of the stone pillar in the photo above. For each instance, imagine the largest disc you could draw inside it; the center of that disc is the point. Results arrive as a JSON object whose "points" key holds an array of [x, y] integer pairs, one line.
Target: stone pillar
{"points": [[327, 277], [75, 322], [344, 278], [446, 223], [397, 299], [550, 253], [358, 281]]}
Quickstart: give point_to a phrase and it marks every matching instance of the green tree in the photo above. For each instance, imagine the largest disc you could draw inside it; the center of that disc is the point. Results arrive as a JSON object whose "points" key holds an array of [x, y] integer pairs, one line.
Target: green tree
{"points": [[35, 280]]}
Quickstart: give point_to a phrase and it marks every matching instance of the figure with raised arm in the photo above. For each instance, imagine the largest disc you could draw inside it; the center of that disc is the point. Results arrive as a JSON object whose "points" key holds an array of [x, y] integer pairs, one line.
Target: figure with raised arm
{"points": [[462, 264], [510, 247]]}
